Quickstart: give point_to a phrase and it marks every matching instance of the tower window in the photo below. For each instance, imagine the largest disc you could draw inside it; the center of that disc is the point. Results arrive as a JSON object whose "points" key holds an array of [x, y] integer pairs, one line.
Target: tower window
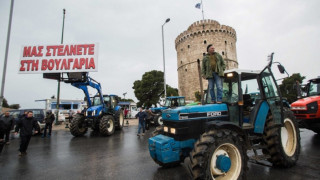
{"points": [[186, 70], [204, 42], [225, 42], [181, 62], [204, 54], [188, 46], [222, 53]]}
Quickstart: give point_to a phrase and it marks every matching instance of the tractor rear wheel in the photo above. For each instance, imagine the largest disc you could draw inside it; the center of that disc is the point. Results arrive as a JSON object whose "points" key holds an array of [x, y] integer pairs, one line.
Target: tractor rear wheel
{"points": [[158, 120], [219, 154], [107, 125], [119, 119], [77, 126], [283, 143]]}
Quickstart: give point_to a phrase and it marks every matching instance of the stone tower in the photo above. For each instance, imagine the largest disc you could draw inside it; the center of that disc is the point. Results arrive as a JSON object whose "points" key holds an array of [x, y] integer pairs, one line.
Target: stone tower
{"points": [[192, 44]]}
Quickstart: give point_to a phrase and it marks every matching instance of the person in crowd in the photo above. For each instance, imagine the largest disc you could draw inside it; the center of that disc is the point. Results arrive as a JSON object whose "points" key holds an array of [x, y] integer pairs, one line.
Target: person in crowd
{"points": [[2, 130], [8, 123], [213, 67], [142, 120], [125, 113], [70, 113], [25, 126], [49, 119], [150, 116]]}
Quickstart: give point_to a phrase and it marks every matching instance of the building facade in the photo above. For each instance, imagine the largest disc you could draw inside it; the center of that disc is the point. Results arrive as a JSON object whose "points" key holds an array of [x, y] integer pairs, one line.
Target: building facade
{"points": [[192, 44]]}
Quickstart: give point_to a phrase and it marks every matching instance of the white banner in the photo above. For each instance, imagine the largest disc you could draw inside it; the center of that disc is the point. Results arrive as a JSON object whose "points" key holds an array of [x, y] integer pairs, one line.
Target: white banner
{"points": [[59, 58]]}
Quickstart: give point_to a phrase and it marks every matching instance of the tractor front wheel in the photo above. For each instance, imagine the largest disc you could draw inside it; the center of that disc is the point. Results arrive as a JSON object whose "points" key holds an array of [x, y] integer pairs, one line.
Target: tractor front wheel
{"points": [[107, 125], [77, 126], [219, 154], [158, 120], [283, 143]]}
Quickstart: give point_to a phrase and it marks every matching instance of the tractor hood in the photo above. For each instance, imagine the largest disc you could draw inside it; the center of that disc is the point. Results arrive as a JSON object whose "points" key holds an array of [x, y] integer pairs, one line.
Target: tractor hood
{"points": [[93, 108], [196, 112], [158, 109], [94, 111], [305, 101]]}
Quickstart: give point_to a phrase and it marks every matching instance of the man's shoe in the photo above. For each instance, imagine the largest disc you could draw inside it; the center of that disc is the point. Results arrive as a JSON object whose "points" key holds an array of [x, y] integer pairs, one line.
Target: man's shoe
{"points": [[212, 102], [219, 102], [20, 154], [142, 134], [138, 134], [7, 143]]}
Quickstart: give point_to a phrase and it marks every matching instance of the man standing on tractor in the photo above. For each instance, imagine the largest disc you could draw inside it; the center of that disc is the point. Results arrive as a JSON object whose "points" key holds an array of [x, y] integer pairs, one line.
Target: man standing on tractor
{"points": [[213, 67]]}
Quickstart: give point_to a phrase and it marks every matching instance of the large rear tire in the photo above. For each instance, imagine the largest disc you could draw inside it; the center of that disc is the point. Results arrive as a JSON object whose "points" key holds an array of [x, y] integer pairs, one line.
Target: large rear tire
{"points": [[107, 125], [219, 154], [77, 126], [283, 143], [119, 119]]}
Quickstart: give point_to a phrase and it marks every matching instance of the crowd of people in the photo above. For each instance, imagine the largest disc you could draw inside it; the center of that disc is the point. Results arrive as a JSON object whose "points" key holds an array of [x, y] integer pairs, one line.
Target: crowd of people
{"points": [[26, 126]]}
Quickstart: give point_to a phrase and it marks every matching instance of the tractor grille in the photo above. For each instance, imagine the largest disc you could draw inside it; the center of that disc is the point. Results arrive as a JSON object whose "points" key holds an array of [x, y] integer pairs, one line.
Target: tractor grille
{"points": [[89, 113], [312, 108]]}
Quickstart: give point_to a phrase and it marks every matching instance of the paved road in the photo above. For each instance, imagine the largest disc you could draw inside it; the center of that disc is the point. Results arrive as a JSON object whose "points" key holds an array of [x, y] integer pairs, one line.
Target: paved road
{"points": [[125, 156]]}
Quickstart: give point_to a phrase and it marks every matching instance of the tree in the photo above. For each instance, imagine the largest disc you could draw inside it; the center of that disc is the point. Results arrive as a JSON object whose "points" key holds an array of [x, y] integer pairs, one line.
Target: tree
{"points": [[14, 106], [149, 89], [288, 87], [126, 100], [172, 91], [197, 95], [5, 103]]}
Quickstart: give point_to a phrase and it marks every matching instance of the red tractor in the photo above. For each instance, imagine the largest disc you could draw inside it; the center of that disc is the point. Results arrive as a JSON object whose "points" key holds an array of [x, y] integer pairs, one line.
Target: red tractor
{"points": [[307, 110]]}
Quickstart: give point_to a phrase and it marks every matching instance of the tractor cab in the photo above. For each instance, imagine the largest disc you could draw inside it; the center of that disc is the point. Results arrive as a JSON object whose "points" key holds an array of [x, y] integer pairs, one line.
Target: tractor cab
{"points": [[250, 95], [111, 102], [174, 101], [313, 87]]}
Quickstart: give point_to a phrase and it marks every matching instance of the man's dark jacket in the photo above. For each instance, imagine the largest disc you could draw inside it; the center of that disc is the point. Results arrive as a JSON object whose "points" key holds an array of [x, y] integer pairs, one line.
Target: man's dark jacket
{"points": [[26, 125], [142, 116], [8, 122], [50, 118]]}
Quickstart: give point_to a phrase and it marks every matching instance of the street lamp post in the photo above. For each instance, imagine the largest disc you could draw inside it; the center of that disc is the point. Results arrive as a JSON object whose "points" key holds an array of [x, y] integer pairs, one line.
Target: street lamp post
{"points": [[164, 64], [58, 93], [6, 56]]}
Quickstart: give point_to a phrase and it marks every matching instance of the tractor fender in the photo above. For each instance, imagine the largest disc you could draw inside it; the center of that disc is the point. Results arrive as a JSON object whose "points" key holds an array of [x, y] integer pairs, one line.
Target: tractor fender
{"points": [[218, 124], [117, 108]]}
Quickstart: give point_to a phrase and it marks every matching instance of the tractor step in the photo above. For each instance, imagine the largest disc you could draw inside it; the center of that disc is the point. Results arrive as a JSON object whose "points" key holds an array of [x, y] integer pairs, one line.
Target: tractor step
{"points": [[259, 146]]}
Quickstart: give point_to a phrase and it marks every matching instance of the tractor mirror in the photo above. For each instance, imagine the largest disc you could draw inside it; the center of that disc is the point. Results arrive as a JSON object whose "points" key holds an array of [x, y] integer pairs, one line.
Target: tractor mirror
{"points": [[281, 69]]}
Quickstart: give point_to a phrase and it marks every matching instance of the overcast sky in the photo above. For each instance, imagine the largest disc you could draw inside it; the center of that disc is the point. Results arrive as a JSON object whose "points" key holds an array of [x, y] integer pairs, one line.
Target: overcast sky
{"points": [[129, 37]]}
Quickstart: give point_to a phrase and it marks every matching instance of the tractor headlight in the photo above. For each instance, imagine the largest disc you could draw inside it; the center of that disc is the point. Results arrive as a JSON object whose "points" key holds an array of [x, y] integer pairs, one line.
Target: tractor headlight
{"points": [[165, 129], [173, 130], [100, 112]]}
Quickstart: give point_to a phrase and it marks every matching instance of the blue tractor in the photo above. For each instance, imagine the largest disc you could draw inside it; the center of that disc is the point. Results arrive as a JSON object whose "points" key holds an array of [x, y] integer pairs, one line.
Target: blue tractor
{"points": [[171, 102], [103, 114], [213, 139]]}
